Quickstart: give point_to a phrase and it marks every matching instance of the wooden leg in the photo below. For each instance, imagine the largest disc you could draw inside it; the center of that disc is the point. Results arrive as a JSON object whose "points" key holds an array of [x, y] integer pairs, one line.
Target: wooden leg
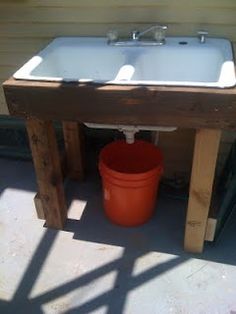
{"points": [[48, 171], [74, 149], [203, 170], [37, 201]]}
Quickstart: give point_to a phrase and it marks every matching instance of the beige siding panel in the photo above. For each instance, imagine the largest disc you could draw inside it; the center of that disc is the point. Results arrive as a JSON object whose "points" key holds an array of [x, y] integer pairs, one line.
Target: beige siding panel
{"points": [[118, 3], [22, 45], [12, 58], [5, 72], [120, 15], [3, 106], [46, 31]]}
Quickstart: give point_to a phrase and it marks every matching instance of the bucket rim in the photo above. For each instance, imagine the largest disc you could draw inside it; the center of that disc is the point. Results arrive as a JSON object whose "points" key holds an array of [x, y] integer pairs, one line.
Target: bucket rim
{"points": [[137, 176], [158, 168]]}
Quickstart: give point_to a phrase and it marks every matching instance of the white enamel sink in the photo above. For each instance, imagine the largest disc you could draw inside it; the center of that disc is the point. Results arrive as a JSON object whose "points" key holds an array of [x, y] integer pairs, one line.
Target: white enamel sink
{"points": [[182, 61]]}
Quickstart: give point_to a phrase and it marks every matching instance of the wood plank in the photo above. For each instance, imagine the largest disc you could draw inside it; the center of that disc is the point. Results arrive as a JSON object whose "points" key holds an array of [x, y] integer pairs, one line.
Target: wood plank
{"points": [[73, 138], [3, 105], [11, 82], [39, 207], [203, 170], [210, 229], [37, 201], [48, 171], [167, 106]]}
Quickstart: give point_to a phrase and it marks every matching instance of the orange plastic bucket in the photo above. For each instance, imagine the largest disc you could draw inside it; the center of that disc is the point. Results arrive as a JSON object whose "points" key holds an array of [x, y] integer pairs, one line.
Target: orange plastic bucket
{"points": [[130, 176]]}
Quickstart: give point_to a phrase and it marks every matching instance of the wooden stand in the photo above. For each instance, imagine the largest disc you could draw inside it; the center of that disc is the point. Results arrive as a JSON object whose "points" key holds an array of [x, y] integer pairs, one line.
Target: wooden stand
{"points": [[50, 201], [203, 171], [123, 105]]}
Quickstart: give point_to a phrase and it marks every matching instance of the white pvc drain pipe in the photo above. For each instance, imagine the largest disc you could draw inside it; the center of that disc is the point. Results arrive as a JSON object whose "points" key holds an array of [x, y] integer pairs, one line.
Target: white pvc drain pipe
{"points": [[130, 130]]}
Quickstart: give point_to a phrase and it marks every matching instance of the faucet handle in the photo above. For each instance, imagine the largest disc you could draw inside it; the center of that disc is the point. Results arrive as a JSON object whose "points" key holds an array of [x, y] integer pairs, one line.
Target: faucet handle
{"points": [[135, 34], [160, 33], [163, 27], [112, 35], [202, 34]]}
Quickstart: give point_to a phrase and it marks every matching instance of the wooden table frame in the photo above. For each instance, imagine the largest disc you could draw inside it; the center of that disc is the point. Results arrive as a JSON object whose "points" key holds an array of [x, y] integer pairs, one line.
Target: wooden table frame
{"points": [[207, 110]]}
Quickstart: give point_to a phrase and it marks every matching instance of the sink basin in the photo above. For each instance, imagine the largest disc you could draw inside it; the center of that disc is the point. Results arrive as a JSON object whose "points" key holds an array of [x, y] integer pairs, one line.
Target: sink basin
{"points": [[182, 61]]}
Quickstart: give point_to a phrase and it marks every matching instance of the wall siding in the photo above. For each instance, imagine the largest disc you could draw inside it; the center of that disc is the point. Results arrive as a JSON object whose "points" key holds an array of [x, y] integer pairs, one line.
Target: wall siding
{"points": [[26, 26]]}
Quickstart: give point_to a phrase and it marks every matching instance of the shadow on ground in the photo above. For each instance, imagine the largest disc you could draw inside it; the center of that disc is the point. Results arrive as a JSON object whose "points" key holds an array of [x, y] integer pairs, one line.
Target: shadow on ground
{"points": [[164, 233]]}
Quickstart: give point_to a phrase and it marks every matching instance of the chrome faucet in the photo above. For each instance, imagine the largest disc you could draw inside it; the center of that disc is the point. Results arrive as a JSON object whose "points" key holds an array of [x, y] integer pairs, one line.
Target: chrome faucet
{"points": [[159, 34]]}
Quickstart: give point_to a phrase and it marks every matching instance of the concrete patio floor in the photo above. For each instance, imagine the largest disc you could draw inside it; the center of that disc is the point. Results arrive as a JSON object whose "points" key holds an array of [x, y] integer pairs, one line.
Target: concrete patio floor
{"points": [[93, 266]]}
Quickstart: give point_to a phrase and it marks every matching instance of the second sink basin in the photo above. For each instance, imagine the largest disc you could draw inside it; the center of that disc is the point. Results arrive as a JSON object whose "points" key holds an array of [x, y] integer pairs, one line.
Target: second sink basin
{"points": [[182, 61]]}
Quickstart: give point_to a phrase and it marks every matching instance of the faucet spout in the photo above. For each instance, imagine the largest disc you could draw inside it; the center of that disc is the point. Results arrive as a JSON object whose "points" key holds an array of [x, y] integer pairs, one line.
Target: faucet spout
{"points": [[161, 28], [159, 33]]}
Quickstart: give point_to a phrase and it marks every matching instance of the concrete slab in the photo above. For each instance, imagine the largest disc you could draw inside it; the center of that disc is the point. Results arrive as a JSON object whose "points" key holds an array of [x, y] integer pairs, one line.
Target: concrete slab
{"points": [[94, 266]]}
